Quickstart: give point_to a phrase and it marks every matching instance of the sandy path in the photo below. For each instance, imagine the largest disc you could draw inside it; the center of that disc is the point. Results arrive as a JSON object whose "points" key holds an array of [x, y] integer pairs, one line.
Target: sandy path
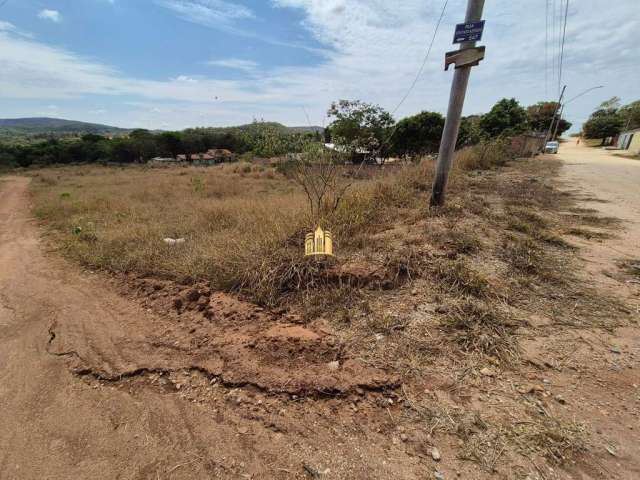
{"points": [[599, 174], [609, 393]]}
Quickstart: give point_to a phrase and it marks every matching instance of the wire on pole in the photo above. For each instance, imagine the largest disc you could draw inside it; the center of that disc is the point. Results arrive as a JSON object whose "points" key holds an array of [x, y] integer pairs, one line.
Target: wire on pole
{"points": [[564, 34]]}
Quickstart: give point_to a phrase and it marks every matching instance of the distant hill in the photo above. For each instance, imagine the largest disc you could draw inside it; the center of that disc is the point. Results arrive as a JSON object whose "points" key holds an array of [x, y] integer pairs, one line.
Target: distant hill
{"points": [[275, 125], [38, 128], [55, 126]]}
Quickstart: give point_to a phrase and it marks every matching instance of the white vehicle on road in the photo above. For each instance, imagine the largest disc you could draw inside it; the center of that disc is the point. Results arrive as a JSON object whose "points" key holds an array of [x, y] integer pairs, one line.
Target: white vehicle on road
{"points": [[551, 147]]}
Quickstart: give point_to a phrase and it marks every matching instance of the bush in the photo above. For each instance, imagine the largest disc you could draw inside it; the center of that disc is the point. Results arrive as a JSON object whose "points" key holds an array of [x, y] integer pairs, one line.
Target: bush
{"points": [[484, 155]]}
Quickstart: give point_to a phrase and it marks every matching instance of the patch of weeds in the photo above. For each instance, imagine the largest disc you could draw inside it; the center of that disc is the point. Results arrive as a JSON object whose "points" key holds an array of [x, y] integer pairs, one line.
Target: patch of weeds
{"points": [[65, 195], [588, 234], [458, 240], [385, 323], [553, 239], [457, 275], [336, 302], [557, 440], [404, 265], [198, 184], [528, 216], [593, 220], [524, 256], [632, 267], [477, 326]]}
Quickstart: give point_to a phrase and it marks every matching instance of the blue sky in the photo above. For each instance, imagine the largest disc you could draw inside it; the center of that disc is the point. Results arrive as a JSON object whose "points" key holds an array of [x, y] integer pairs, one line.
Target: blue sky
{"points": [[180, 63]]}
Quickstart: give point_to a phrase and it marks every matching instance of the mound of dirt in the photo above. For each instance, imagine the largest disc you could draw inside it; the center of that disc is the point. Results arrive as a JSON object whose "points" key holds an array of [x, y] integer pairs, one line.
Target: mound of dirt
{"points": [[216, 333]]}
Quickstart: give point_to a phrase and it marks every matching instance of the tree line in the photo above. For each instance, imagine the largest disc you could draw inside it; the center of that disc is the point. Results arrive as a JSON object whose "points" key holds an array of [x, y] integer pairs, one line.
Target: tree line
{"points": [[363, 127], [354, 125], [260, 139]]}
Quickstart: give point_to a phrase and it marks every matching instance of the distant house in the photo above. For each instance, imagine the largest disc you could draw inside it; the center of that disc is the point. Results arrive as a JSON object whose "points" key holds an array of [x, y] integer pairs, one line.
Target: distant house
{"points": [[630, 140], [210, 157], [221, 154]]}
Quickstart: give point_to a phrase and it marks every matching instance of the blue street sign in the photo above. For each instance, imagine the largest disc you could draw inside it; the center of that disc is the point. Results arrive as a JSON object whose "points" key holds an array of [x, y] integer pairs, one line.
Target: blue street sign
{"points": [[468, 32]]}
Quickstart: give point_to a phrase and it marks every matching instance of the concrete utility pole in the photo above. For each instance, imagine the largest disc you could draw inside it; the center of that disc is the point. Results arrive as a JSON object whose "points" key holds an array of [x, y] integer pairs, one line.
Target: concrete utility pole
{"points": [[555, 130], [553, 119], [454, 112]]}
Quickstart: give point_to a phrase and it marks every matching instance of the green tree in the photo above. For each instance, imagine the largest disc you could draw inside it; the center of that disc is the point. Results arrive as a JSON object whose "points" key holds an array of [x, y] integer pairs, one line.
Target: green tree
{"points": [[506, 118], [418, 135], [603, 123], [470, 132], [359, 126], [169, 143], [631, 115], [541, 114]]}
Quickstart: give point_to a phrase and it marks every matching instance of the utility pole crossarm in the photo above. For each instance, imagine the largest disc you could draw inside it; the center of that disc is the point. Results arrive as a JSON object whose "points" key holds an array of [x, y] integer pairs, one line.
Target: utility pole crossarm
{"points": [[456, 103]]}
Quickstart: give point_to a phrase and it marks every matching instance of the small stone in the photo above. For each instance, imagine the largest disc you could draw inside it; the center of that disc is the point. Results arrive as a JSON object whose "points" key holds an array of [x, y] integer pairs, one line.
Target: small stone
{"points": [[333, 366], [404, 437], [615, 349], [487, 372], [560, 399], [435, 454], [441, 309], [438, 476]]}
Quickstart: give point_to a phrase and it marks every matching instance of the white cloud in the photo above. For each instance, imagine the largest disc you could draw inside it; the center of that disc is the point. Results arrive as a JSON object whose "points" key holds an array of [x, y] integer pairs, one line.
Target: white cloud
{"points": [[211, 13], [234, 64], [52, 15], [6, 26], [374, 51], [185, 79]]}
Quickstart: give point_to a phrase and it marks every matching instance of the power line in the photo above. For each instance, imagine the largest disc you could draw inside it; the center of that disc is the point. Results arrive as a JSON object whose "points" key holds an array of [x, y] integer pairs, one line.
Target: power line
{"points": [[553, 42], [558, 40], [424, 62], [564, 34], [546, 50]]}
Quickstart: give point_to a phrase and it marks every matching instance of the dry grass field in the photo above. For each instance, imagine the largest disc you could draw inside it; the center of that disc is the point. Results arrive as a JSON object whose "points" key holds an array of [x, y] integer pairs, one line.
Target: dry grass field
{"points": [[452, 302]]}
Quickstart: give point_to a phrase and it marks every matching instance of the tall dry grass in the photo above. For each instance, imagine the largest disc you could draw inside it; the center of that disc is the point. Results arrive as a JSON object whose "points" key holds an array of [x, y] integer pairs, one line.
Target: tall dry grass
{"points": [[243, 224]]}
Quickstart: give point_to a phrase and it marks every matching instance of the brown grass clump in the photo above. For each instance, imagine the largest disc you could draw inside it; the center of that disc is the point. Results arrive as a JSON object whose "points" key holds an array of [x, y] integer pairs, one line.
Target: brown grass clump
{"points": [[556, 439], [459, 277], [588, 234], [478, 326], [525, 256]]}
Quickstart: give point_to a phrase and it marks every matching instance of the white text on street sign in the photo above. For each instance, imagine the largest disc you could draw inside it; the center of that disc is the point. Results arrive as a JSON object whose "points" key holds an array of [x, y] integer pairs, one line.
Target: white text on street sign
{"points": [[469, 32]]}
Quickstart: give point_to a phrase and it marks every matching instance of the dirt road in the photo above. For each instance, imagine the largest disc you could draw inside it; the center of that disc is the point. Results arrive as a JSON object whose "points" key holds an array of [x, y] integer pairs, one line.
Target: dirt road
{"points": [[51, 424], [609, 184]]}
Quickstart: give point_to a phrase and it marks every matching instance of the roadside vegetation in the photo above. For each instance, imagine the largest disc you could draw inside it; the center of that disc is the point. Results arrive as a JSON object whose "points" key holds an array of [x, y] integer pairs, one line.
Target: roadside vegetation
{"points": [[448, 291], [456, 292]]}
